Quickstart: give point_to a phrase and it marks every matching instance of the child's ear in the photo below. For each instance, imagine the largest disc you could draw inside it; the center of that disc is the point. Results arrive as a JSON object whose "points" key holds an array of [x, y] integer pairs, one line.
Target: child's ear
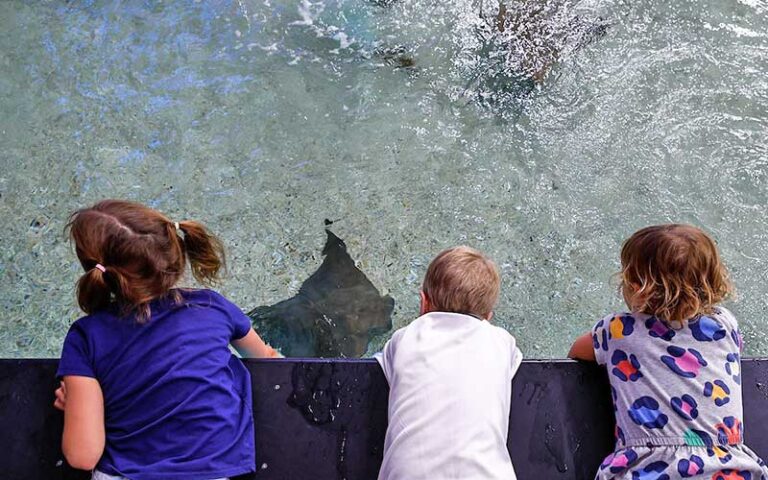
{"points": [[490, 316], [424, 305]]}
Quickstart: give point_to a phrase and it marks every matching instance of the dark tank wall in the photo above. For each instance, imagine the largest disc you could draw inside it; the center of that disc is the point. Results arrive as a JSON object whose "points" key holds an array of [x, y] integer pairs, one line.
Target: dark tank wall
{"points": [[326, 419]]}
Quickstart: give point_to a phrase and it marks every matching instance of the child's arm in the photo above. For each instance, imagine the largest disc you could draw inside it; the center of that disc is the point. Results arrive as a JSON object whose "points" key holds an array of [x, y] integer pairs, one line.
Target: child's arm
{"points": [[84, 437], [582, 348], [252, 346]]}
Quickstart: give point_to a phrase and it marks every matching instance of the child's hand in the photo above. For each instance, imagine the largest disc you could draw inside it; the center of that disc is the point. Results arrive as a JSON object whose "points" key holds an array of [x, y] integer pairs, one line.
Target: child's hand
{"points": [[61, 397], [274, 353], [252, 346]]}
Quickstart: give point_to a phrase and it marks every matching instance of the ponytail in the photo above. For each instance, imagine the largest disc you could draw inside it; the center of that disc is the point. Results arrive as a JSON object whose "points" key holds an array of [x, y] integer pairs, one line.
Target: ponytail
{"points": [[93, 292], [204, 251], [99, 287]]}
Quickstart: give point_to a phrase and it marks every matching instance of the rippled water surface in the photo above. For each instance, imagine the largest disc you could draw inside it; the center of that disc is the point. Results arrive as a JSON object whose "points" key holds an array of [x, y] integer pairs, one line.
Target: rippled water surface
{"points": [[407, 123]]}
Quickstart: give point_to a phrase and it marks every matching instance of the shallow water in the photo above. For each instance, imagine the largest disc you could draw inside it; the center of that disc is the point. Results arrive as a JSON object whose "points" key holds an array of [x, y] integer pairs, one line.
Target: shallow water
{"points": [[263, 118]]}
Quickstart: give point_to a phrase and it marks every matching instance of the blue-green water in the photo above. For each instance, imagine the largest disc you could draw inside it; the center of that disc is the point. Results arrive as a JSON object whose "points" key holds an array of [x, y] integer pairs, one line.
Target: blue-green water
{"points": [[262, 118]]}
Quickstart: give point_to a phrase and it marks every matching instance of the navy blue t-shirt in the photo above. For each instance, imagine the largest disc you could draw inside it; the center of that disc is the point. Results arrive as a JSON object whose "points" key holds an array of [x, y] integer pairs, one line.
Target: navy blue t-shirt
{"points": [[177, 403]]}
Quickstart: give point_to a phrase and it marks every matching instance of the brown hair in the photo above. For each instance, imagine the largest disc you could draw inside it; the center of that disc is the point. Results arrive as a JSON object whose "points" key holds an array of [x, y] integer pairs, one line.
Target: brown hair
{"points": [[673, 272], [462, 280], [141, 253]]}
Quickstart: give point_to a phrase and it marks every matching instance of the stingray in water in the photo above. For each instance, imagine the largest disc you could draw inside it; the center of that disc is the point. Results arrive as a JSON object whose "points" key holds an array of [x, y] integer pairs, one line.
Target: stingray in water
{"points": [[334, 313], [537, 33], [520, 42]]}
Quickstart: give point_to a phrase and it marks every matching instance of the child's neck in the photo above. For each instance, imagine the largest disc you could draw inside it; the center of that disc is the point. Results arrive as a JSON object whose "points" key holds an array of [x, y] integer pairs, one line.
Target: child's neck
{"points": [[473, 315]]}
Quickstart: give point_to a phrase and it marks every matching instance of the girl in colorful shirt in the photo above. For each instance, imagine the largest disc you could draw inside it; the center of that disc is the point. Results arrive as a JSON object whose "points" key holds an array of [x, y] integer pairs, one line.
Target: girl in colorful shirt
{"points": [[150, 389], [674, 363]]}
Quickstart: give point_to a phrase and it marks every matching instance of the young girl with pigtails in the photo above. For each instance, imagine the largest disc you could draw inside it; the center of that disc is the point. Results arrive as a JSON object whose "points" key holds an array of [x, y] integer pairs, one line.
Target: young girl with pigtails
{"points": [[150, 389]]}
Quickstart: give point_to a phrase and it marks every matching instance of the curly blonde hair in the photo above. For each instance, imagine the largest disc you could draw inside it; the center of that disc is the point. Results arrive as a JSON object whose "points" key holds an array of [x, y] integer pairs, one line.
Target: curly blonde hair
{"points": [[673, 272]]}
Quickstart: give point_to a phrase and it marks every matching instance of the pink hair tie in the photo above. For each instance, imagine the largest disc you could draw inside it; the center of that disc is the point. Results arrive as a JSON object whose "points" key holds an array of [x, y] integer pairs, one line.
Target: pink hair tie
{"points": [[101, 267]]}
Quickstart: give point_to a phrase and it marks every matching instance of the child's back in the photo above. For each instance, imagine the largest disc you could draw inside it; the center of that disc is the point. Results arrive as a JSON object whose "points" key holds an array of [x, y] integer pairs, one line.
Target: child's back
{"points": [[678, 389], [177, 401], [450, 377]]}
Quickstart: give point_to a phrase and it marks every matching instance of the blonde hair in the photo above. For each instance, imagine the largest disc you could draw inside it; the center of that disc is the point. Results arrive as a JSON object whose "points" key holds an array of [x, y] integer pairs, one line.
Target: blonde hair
{"points": [[462, 280], [673, 272]]}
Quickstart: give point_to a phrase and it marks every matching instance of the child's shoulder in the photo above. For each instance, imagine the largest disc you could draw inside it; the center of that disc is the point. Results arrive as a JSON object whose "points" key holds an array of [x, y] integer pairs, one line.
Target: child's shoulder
{"points": [[93, 327], [200, 294], [620, 318], [100, 317], [725, 317], [412, 327], [501, 332], [204, 297], [623, 326]]}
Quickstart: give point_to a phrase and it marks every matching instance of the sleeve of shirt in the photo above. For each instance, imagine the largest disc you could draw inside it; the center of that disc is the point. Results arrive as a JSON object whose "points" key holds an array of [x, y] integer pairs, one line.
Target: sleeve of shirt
{"points": [[386, 356], [732, 326], [517, 356], [600, 340], [379, 357], [239, 321], [76, 355]]}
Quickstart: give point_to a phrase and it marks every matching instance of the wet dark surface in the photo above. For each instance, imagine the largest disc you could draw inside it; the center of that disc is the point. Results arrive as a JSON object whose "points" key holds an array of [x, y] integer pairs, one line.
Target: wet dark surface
{"points": [[335, 311], [326, 419]]}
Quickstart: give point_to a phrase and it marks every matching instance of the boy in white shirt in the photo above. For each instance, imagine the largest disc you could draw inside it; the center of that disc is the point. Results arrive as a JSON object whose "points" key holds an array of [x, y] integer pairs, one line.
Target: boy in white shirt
{"points": [[450, 378]]}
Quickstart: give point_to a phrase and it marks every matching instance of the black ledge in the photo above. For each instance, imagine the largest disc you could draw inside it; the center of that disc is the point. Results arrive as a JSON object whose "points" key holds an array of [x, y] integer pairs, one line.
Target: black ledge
{"points": [[325, 419]]}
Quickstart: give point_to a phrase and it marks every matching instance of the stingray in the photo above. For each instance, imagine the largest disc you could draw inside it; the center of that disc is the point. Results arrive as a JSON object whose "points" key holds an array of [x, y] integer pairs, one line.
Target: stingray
{"points": [[520, 41], [538, 33], [334, 314]]}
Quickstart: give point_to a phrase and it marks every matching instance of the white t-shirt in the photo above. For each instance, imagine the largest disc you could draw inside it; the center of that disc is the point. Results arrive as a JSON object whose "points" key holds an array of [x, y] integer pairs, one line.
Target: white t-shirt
{"points": [[450, 382]]}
